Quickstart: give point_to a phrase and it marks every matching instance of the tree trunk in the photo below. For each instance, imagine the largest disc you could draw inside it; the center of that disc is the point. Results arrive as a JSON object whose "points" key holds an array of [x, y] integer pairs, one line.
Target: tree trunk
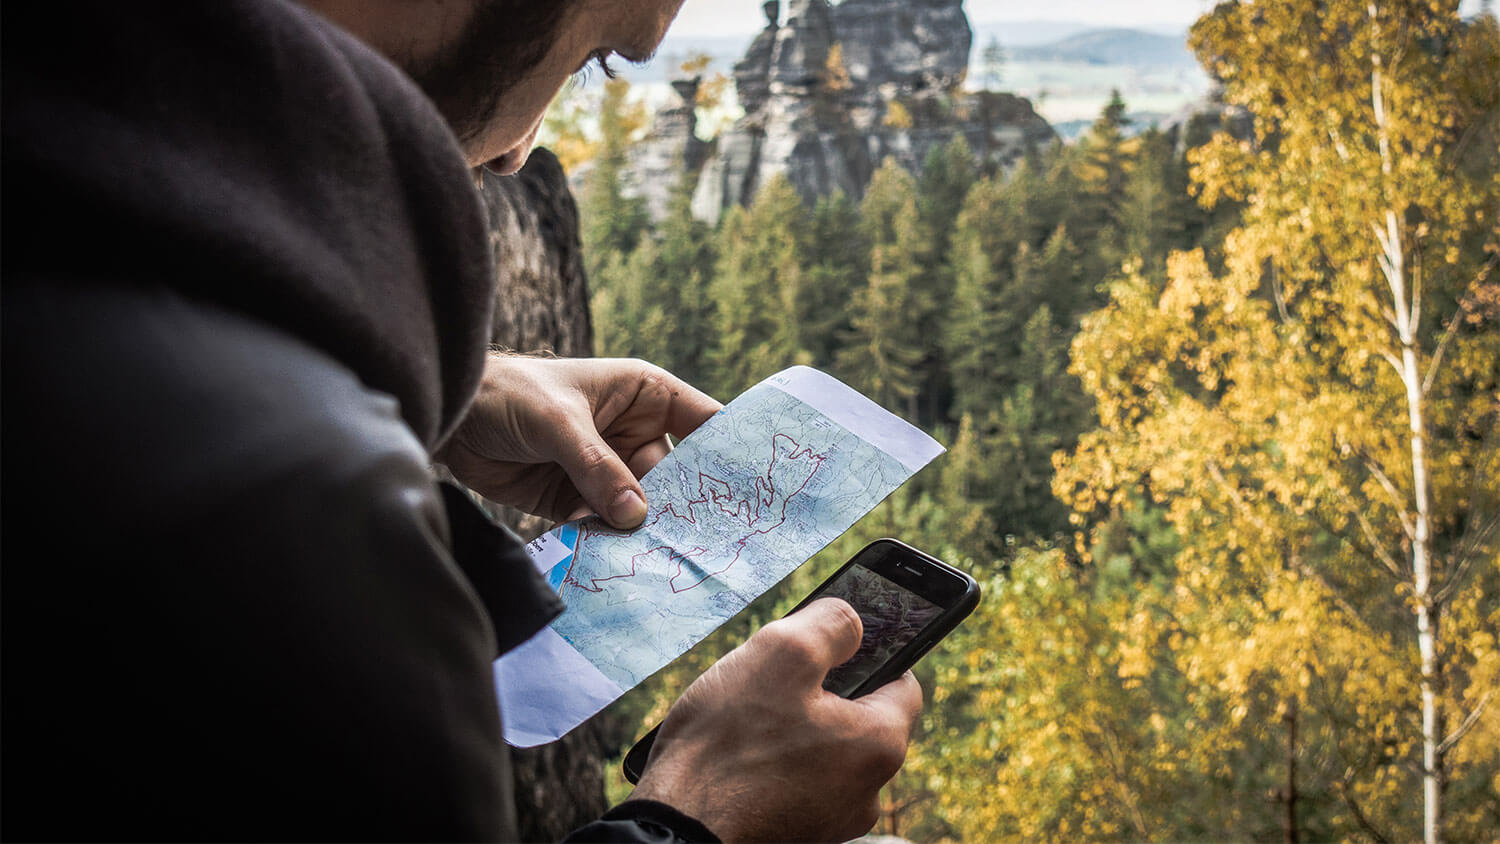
{"points": [[1407, 307], [1290, 833], [1421, 535]]}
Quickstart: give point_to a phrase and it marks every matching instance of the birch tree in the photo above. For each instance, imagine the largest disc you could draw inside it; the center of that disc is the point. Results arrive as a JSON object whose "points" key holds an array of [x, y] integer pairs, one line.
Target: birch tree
{"points": [[1320, 417]]}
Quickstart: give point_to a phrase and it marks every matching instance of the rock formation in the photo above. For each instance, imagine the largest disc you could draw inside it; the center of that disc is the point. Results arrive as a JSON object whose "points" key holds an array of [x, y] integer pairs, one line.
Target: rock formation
{"points": [[1193, 124], [671, 147], [829, 92], [542, 299]]}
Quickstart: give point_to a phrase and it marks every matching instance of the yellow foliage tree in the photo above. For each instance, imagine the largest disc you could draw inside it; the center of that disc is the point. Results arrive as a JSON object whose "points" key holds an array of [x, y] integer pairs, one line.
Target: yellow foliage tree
{"points": [[835, 72], [1318, 417], [897, 116]]}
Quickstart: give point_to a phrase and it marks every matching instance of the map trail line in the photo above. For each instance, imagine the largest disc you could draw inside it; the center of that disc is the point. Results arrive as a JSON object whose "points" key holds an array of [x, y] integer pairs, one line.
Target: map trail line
{"points": [[759, 488], [766, 495]]}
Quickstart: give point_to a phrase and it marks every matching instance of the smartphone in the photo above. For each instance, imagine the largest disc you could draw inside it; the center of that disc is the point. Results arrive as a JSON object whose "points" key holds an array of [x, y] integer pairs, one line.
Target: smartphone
{"points": [[907, 600]]}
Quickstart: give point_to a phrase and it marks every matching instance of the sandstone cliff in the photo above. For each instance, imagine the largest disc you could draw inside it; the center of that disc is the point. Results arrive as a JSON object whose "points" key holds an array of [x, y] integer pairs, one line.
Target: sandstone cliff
{"points": [[829, 92]]}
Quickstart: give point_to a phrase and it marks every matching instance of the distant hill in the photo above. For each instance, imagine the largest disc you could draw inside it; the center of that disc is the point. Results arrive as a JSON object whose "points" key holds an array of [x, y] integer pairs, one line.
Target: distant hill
{"points": [[1136, 122], [1110, 46], [1023, 33]]}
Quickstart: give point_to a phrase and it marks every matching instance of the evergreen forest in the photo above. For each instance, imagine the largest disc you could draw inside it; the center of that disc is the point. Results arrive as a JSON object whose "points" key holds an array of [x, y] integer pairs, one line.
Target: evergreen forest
{"points": [[1223, 429]]}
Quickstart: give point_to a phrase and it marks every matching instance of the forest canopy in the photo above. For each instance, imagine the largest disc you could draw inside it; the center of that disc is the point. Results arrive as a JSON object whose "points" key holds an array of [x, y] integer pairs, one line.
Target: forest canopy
{"points": [[1221, 414]]}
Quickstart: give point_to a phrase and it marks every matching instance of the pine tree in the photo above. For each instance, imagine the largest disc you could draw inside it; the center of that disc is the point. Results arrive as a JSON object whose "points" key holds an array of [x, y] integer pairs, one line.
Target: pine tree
{"points": [[1155, 203], [993, 60], [1105, 158], [654, 302], [948, 172], [611, 223], [1041, 414], [838, 261], [989, 303], [885, 347], [633, 317], [758, 282], [685, 266]]}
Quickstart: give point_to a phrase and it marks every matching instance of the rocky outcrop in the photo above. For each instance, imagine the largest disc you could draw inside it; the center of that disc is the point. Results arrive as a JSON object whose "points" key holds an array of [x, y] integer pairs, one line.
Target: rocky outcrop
{"points": [[914, 47], [830, 92], [542, 299], [670, 148], [1193, 124], [541, 305]]}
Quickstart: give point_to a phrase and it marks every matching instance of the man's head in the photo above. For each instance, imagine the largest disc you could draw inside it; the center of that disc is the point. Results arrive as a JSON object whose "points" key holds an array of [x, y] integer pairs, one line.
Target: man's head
{"points": [[493, 66]]}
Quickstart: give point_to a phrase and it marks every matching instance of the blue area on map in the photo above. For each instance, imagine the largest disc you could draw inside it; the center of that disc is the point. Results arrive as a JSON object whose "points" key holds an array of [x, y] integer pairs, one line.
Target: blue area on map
{"points": [[568, 533]]}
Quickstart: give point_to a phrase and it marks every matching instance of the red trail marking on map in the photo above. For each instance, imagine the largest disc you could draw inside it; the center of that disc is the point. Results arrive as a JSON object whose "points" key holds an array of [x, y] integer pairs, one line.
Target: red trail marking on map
{"points": [[757, 514]]}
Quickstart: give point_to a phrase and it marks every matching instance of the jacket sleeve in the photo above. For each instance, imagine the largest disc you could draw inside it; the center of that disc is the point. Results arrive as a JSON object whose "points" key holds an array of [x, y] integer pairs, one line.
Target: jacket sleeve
{"points": [[231, 607], [643, 822], [515, 596]]}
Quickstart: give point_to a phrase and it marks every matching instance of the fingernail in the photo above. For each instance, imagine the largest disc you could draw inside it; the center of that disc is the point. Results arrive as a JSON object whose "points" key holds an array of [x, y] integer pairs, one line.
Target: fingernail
{"points": [[628, 509]]}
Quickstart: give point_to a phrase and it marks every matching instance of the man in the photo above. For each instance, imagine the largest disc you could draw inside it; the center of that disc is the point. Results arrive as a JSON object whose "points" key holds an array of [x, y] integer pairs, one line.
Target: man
{"points": [[246, 297]]}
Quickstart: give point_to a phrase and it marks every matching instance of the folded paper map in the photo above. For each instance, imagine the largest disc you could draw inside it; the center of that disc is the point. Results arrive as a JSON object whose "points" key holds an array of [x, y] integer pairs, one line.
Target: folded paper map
{"points": [[758, 489]]}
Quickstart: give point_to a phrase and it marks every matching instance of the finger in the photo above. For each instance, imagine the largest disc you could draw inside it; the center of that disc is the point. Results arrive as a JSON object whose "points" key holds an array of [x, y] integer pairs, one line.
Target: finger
{"points": [[817, 637], [647, 456], [888, 716], [897, 703], [602, 478], [687, 406]]}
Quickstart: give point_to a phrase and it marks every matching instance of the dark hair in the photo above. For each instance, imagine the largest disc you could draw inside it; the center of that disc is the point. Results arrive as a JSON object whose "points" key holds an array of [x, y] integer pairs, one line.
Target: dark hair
{"points": [[502, 44]]}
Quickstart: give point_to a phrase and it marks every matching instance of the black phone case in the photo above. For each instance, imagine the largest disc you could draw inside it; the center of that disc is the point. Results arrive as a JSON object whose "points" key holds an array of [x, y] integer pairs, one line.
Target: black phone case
{"points": [[635, 761]]}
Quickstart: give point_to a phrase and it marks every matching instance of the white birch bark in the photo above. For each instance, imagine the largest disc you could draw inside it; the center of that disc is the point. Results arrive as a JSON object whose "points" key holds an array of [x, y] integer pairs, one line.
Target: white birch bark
{"points": [[1406, 307]]}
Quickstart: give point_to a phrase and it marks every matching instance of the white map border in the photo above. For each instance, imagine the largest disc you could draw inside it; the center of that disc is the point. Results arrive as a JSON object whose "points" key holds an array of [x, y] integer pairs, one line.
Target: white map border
{"points": [[859, 415]]}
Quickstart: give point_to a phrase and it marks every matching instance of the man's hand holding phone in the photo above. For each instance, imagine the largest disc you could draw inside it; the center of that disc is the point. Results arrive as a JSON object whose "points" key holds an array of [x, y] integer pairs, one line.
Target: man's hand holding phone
{"points": [[757, 749]]}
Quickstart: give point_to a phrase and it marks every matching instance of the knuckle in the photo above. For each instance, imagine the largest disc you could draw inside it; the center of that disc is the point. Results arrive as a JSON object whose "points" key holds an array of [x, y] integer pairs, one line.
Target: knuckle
{"points": [[654, 379], [593, 456], [788, 647]]}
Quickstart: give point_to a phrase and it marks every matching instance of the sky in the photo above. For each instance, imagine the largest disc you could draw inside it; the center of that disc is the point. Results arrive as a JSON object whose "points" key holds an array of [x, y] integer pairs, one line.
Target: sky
{"points": [[705, 18], [738, 17]]}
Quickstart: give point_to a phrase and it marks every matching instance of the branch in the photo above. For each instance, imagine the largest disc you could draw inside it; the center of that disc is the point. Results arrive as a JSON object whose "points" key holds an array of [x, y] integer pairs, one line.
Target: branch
{"points": [[1387, 266], [1391, 359], [1338, 598], [1280, 298], [1390, 489], [1296, 561], [1452, 327], [1342, 787], [1473, 718], [897, 807], [1442, 346], [1378, 547], [1473, 540], [1338, 143], [1457, 149], [1416, 285]]}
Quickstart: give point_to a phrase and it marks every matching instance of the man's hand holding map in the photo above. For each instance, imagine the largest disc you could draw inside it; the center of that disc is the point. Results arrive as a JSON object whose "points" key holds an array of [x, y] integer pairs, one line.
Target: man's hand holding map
{"points": [[766, 483]]}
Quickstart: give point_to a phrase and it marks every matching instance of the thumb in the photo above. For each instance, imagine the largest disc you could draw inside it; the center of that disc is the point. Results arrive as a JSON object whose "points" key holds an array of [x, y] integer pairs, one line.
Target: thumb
{"points": [[824, 634], [602, 478]]}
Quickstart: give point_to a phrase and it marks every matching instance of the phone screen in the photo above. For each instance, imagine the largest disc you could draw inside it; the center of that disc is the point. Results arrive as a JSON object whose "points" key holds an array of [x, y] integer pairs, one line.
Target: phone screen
{"points": [[892, 617]]}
